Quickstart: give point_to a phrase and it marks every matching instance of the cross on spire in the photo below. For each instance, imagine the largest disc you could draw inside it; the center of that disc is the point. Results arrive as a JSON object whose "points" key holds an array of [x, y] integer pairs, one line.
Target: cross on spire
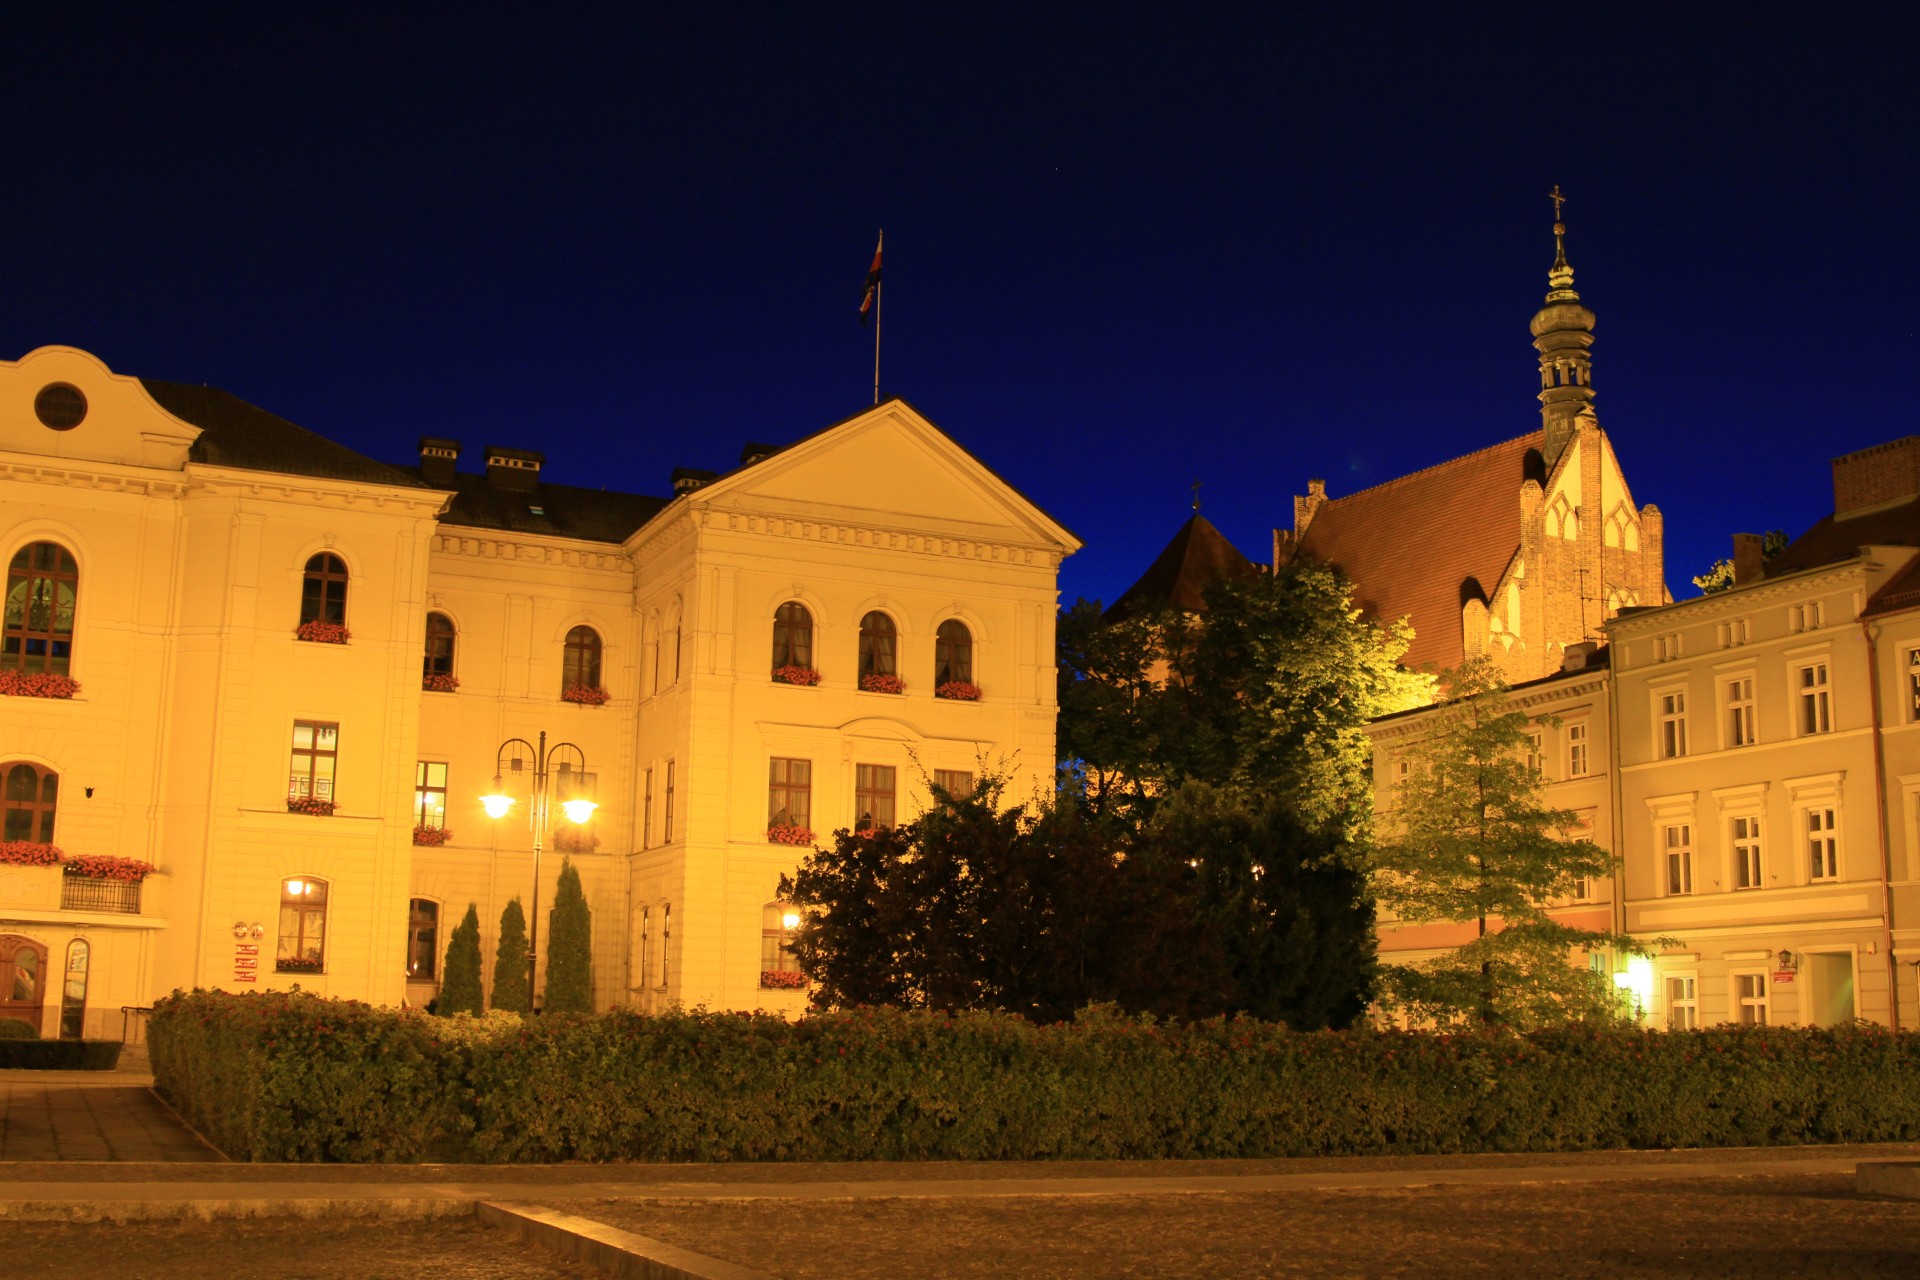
{"points": [[1196, 495], [1557, 199]]}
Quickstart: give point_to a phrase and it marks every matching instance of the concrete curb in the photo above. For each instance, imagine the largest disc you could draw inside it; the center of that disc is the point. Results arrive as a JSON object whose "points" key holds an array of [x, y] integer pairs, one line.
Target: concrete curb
{"points": [[1897, 1178], [208, 1208], [615, 1252]]}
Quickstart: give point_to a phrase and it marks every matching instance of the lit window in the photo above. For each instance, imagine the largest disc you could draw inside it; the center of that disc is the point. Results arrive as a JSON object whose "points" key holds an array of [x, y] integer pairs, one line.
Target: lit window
{"points": [[1683, 1002], [27, 801], [793, 637], [873, 796], [779, 967], [789, 794], [423, 937], [957, 783], [1823, 845], [879, 640], [580, 662], [1577, 749], [1678, 842], [1744, 836], [438, 659], [303, 926], [1751, 1003], [666, 816], [953, 654], [430, 794], [1814, 697], [1673, 724], [316, 753], [323, 590], [43, 587], [1740, 725]]}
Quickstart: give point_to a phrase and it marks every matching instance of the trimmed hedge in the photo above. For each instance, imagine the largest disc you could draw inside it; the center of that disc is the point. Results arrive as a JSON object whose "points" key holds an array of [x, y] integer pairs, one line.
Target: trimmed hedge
{"points": [[59, 1055], [294, 1077]]}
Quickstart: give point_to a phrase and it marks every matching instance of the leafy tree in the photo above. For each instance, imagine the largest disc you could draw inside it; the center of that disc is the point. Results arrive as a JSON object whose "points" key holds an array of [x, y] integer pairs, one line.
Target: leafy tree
{"points": [[1468, 838], [569, 946], [460, 976], [510, 987], [1719, 577], [1122, 708]]}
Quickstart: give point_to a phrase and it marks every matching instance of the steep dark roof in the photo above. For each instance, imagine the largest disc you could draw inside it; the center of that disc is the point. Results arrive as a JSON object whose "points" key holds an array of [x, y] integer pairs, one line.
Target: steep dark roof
{"points": [[1198, 557], [234, 433], [593, 515], [1410, 545], [1832, 540]]}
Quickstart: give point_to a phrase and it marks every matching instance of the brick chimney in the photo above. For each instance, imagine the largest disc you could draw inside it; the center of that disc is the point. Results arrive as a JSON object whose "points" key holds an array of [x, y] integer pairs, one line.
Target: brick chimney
{"points": [[437, 459], [513, 470], [1882, 476], [687, 479], [1747, 558]]}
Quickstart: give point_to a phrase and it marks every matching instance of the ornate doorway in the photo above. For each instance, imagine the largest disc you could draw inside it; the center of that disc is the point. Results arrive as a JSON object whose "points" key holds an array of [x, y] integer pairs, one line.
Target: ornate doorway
{"points": [[23, 979]]}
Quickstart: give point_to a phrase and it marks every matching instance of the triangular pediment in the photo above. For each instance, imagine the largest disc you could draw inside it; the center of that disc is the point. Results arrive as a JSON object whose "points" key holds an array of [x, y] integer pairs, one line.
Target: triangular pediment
{"points": [[887, 467], [61, 402]]}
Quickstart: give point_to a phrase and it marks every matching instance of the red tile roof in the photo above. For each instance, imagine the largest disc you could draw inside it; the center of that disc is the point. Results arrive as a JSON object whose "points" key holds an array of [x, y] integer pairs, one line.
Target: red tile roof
{"points": [[1831, 540], [1411, 543], [1198, 557]]}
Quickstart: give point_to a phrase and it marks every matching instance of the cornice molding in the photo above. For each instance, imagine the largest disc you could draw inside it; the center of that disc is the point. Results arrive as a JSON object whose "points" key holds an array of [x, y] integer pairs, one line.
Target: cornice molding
{"points": [[93, 476], [481, 544], [876, 536]]}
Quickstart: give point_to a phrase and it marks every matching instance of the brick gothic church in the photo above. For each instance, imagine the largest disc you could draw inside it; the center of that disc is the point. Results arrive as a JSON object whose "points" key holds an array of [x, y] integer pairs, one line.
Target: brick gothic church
{"points": [[1521, 549]]}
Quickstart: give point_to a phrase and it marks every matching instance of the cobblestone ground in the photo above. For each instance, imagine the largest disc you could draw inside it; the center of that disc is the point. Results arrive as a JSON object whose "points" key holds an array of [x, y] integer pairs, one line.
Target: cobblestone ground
{"points": [[283, 1249], [1724, 1228]]}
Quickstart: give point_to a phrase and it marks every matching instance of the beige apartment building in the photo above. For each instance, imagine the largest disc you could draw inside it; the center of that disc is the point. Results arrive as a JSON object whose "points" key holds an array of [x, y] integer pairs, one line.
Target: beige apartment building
{"points": [[253, 685]]}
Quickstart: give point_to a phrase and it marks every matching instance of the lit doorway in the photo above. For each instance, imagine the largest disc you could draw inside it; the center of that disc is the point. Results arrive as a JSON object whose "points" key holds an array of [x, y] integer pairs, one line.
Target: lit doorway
{"points": [[1828, 979]]}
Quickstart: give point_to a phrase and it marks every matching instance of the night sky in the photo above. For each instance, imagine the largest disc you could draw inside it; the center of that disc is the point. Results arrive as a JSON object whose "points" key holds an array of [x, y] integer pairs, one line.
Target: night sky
{"points": [[1127, 247]]}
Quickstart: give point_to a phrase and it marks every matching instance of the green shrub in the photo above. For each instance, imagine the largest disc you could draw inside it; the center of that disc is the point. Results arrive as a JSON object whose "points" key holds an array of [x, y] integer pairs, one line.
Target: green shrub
{"points": [[512, 991], [59, 1055], [460, 978], [569, 946], [883, 1084], [15, 1029]]}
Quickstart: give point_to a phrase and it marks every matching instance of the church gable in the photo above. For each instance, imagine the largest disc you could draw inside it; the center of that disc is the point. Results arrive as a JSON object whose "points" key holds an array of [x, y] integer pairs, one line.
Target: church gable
{"points": [[61, 402]]}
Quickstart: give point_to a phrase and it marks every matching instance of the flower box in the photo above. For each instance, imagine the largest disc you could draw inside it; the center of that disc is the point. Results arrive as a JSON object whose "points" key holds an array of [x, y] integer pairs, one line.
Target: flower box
{"points": [[585, 694], [782, 980], [297, 964], [37, 684], [104, 866], [439, 682], [789, 833], [29, 853], [883, 684], [310, 804], [796, 675], [575, 840], [958, 691], [431, 837], [323, 632]]}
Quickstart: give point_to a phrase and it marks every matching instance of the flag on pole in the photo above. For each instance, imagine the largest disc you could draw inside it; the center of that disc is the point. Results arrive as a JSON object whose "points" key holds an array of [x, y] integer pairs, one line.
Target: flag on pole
{"points": [[873, 281]]}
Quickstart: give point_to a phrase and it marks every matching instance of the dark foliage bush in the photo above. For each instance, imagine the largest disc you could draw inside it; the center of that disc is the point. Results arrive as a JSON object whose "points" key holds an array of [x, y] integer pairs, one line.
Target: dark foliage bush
{"points": [[460, 975], [15, 1029], [59, 1055]]}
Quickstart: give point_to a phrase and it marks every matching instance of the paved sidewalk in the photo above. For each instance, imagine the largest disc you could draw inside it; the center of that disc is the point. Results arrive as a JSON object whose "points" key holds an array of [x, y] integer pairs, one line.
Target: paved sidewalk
{"points": [[54, 1121]]}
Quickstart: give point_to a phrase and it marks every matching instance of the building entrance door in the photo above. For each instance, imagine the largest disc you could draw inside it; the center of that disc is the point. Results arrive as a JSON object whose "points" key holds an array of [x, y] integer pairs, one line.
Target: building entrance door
{"points": [[23, 979], [1829, 988]]}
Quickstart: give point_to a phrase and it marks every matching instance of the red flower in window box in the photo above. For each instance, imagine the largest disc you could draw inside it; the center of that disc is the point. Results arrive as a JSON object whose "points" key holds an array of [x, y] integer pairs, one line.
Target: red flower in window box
{"points": [[883, 684], [958, 691], [789, 833], [791, 674], [323, 632], [37, 684], [310, 804], [571, 839], [782, 980], [439, 682], [104, 866], [432, 837], [297, 964], [584, 694], [29, 853]]}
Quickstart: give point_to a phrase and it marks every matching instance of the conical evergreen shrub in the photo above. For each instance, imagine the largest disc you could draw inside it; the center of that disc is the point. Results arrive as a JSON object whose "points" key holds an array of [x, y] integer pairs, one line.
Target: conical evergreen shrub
{"points": [[460, 978], [569, 947], [511, 989]]}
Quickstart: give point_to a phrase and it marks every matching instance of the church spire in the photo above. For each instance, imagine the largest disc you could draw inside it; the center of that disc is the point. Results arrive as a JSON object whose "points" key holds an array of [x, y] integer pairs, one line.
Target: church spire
{"points": [[1562, 333]]}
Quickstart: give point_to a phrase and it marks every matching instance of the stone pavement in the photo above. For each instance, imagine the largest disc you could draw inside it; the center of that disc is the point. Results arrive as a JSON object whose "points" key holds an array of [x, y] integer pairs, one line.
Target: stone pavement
{"points": [[94, 1116]]}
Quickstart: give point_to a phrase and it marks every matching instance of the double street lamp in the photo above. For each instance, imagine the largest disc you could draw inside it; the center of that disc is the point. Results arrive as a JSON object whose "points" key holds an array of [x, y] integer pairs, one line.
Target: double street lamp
{"points": [[559, 776]]}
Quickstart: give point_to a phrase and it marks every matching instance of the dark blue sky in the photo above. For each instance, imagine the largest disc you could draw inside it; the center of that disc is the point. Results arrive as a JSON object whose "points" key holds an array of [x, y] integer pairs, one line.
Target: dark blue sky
{"points": [[1128, 247]]}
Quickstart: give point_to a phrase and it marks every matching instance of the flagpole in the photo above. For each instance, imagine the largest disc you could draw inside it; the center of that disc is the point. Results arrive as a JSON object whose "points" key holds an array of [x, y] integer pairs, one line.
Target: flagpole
{"points": [[878, 287]]}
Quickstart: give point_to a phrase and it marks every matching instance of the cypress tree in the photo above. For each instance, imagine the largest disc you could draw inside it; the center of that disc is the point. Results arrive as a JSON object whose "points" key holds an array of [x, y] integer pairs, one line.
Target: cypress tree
{"points": [[460, 978], [510, 987], [569, 946]]}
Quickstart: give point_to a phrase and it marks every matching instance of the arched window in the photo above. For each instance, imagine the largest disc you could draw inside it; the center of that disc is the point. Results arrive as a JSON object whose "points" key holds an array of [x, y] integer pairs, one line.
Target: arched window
{"points": [[43, 585], [953, 653], [423, 938], [793, 637], [779, 967], [303, 926], [323, 592], [27, 796], [581, 663], [879, 641], [438, 660], [73, 993]]}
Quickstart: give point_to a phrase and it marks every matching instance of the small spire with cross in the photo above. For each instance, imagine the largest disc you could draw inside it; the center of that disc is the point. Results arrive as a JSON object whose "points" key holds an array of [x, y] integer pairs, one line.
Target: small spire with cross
{"points": [[1561, 277], [1196, 495]]}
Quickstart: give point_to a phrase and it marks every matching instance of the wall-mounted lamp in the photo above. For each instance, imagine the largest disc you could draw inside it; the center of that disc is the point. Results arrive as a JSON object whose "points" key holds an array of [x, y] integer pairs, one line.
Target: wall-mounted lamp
{"points": [[1788, 960]]}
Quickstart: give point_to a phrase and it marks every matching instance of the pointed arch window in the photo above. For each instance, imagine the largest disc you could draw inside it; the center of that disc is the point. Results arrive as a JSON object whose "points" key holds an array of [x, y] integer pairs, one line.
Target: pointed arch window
{"points": [[879, 645], [953, 653], [437, 662], [580, 664], [323, 591], [43, 589], [28, 795], [793, 636]]}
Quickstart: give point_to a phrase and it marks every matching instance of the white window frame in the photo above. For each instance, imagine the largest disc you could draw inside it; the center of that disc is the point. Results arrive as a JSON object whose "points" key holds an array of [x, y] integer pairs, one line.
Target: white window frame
{"points": [[1820, 824], [1670, 722], [1740, 1002], [1739, 722], [1688, 1002], [1579, 749], [1817, 796], [1535, 752], [1913, 684], [1746, 846], [1812, 698], [1676, 859]]}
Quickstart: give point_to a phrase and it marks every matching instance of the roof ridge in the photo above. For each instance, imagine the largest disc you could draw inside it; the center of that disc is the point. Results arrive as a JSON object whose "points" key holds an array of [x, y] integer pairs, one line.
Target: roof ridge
{"points": [[1447, 462]]}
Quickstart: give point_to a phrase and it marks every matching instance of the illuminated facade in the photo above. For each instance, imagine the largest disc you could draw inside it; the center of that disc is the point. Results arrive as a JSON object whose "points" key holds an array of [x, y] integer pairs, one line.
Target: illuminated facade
{"points": [[294, 666]]}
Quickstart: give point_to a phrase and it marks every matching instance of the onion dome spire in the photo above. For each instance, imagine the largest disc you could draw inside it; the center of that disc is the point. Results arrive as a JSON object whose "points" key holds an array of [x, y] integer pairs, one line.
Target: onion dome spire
{"points": [[1562, 333]]}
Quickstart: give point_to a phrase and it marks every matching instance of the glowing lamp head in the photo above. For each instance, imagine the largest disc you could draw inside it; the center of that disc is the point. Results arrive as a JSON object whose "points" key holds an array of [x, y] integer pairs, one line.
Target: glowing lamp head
{"points": [[497, 803], [578, 810], [790, 920]]}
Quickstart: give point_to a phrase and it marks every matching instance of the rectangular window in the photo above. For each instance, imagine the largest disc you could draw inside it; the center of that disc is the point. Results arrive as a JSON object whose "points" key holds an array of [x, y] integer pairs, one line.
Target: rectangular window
{"points": [[1683, 1002], [430, 794], [789, 793], [1913, 685], [1823, 845], [423, 936], [666, 811], [646, 944], [1739, 696], [873, 796], [303, 926], [1678, 842], [666, 940], [1577, 749], [1814, 696], [646, 811], [957, 783], [316, 750], [1673, 724], [1534, 760], [1744, 837], [1751, 1003]]}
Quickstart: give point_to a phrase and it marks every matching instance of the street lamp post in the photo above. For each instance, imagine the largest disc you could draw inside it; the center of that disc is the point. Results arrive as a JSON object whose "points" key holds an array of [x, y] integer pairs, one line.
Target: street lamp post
{"points": [[563, 769]]}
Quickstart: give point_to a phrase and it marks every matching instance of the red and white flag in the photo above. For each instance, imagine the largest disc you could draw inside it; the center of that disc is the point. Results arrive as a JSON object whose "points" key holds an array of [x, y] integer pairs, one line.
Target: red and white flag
{"points": [[872, 294]]}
